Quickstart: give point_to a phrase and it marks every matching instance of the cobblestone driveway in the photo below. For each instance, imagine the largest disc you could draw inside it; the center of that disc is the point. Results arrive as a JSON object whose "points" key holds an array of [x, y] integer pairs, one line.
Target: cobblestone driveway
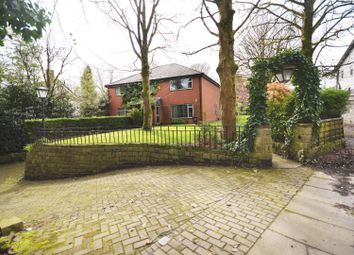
{"points": [[203, 210]]}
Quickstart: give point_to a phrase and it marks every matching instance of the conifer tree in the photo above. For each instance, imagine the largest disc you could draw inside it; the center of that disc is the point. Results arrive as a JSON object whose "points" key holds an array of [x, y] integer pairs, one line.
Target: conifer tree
{"points": [[89, 99]]}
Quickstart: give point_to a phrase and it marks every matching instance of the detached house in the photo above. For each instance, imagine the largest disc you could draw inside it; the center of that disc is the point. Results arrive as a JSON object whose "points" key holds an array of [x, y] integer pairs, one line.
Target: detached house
{"points": [[182, 93], [342, 76]]}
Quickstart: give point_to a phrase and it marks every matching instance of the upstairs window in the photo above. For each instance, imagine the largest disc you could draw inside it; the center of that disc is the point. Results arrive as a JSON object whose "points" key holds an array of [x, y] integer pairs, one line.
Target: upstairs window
{"points": [[351, 71], [181, 84], [182, 111], [120, 90]]}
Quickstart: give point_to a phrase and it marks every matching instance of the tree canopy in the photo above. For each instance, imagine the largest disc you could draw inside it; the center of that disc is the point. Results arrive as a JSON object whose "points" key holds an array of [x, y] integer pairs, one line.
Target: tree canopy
{"points": [[22, 17]]}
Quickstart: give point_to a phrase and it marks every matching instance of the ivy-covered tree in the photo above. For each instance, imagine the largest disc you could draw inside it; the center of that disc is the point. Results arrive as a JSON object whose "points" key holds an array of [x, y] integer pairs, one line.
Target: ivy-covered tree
{"points": [[22, 17], [89, 99]]}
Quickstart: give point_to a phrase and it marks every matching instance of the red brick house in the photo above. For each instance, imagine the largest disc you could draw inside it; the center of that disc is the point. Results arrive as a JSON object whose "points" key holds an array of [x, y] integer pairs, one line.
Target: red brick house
{"points": [[182, 93]]}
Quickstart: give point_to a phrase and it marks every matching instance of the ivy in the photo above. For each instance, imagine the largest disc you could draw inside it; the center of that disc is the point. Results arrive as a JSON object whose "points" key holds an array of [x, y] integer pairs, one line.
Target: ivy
{"points": [[307, 96], [132, 97]]}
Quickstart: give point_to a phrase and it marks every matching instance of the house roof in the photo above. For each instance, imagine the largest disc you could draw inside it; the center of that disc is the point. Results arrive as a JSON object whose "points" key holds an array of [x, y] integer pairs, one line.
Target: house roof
{"points": [[346, 53], [163, 72], [343, 58]]}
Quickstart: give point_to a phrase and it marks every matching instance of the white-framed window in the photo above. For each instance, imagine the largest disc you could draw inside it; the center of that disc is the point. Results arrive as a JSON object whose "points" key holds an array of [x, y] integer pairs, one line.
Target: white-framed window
{"points": [[351, 71], [182, 111], [122, 112], [181, 84], [342, 74], [120, 90]]}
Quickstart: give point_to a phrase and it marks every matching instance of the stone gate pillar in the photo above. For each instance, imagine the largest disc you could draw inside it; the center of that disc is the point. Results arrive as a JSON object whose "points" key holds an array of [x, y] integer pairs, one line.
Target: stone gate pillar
{"points": [[262, 154], [302, 140]]}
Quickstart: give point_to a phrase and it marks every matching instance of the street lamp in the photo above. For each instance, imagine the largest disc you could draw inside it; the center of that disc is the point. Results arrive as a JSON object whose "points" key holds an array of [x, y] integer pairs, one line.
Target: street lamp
{"points": [[285, 75], [42, 93]]}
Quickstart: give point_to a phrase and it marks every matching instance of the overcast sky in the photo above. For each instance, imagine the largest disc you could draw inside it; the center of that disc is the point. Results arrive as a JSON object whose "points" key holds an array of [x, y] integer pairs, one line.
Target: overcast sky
{"points": [[103, 45]]}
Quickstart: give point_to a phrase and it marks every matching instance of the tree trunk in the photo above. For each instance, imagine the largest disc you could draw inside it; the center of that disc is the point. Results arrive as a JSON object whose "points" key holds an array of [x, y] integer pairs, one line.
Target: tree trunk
{"points": [[145, 78], [307, 29], [227, 68]]}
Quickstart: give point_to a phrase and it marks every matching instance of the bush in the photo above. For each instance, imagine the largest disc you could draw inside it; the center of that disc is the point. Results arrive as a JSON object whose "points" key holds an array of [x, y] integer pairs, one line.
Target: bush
{"points": [[334, 103], [13, 134], [108, 122], [136, 116], [178, 121], [278, 91], [279, 112]]}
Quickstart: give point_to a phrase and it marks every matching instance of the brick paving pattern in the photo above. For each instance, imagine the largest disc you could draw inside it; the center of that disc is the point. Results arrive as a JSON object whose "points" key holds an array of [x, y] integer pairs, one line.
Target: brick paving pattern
{"points": [[199, 210]]}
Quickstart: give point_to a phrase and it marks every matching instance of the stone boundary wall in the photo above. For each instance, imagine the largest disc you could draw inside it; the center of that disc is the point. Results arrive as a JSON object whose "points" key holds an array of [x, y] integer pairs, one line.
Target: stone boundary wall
{"points": [[331, 137], [47, 161], [60, 161], [331, 130]]}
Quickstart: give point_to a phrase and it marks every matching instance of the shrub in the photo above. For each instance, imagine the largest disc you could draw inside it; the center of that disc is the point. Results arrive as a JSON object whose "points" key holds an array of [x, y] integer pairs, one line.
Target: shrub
{"points": [[278, 91], [209, 133], [178, 121], [136, 116], [334, 102], [108, 122], [13, 134], [279, 112]]}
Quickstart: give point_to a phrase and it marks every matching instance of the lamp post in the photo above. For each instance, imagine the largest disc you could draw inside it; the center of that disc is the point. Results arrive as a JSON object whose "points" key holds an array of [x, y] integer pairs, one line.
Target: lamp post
{"points": [[42, 93], [285, 75]]}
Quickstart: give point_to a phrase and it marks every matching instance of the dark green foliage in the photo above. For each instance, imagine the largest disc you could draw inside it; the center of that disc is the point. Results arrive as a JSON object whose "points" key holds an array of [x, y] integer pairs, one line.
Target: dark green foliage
{"points": [[279, 113], [109, 122], [89, 99], [307, 99], [22, 17], [178, 121], [334, 103], [136, 116], [132, 97], [13, 134], [16, 104]]}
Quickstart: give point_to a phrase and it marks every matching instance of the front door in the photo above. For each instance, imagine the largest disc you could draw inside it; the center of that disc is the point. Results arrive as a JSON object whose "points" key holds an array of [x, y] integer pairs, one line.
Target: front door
{"points": [[157, 114]]}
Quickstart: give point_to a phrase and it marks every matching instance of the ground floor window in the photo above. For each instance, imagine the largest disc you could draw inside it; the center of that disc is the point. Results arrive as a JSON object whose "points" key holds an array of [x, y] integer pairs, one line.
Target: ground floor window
{"points": [[182, 111], [122, 112]]}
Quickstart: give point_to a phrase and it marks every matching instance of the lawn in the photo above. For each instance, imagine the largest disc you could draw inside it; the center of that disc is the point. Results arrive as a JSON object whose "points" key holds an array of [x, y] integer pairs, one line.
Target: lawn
{"points": [[184, 134]]}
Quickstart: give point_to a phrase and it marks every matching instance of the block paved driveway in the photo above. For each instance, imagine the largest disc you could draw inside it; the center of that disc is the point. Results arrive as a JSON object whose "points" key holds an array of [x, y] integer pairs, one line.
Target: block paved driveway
{"points": [[199, 210]]}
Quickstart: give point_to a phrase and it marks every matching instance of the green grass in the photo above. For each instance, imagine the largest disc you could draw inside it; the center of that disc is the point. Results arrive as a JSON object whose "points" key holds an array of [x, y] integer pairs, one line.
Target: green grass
{"points": [[240, 121], [183, 134]]}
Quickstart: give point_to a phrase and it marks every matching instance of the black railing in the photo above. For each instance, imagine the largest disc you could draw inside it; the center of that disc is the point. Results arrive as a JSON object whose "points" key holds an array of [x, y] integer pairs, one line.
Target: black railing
{"points": [[189, 135]]}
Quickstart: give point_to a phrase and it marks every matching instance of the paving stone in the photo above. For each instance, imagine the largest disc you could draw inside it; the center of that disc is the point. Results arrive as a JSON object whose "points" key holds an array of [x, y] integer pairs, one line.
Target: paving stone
{"points": [[148, 203], [317, 234], [12, 224]]}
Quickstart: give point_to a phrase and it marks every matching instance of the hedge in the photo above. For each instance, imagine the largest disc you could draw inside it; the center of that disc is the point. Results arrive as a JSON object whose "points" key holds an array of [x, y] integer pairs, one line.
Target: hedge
{"points": [[108, 122], [334, 102]]}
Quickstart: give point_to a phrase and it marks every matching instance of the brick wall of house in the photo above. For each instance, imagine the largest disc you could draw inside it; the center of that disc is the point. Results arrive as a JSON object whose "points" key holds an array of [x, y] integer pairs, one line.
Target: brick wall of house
{"points": [[210, 101], [115, 101], [169, 98], [210, 98]]}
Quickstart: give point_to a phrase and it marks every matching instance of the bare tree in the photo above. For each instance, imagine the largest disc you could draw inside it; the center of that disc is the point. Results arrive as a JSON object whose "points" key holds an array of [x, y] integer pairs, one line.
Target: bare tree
{"points": [[52, 56], [318, 22], [263, 39], [141, 30], [219, 22], [201, 67]]}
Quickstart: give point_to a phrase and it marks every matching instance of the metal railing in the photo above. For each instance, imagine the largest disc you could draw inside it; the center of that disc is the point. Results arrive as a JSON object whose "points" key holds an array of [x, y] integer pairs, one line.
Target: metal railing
{"points": [[188, 135]]}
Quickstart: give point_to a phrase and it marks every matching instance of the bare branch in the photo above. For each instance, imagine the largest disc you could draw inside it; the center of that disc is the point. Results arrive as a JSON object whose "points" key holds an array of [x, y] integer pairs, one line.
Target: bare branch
{"points": [[201, 49]]}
